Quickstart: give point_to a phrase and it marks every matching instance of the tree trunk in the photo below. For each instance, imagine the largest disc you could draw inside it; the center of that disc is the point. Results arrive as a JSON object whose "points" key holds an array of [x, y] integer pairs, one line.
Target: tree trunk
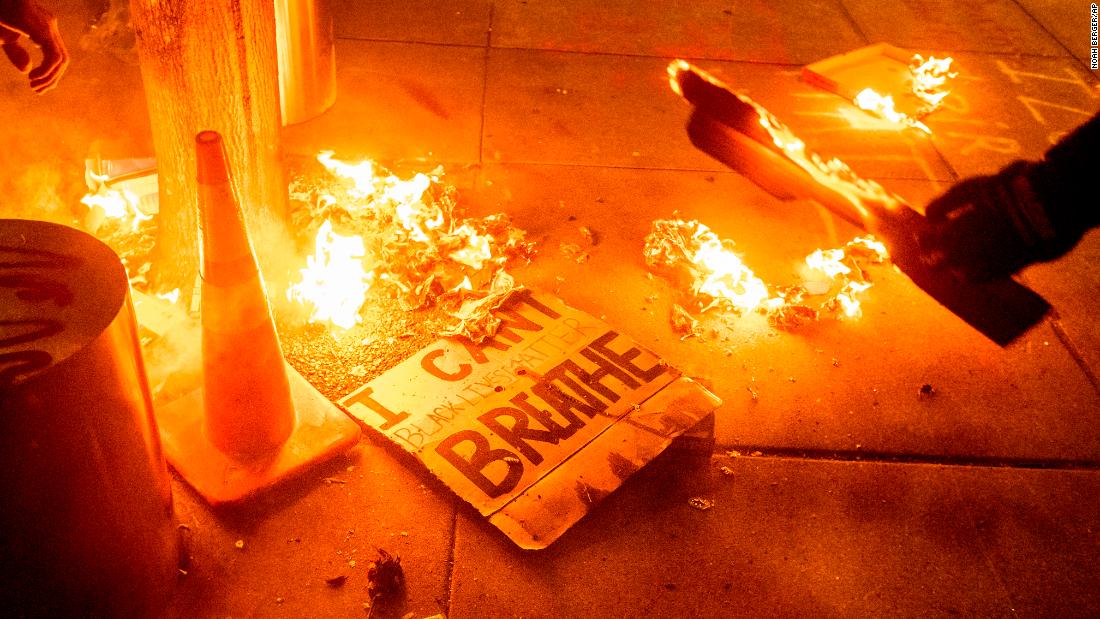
{"points": [[211, 65]]}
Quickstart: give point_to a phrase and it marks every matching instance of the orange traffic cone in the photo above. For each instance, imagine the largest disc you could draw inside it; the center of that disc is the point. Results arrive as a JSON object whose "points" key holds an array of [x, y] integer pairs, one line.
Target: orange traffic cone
{"points": [[260, 421], [247, 395]]}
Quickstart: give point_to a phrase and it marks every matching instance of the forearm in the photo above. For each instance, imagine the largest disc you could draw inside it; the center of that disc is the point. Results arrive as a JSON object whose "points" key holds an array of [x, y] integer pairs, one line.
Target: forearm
{"points": [[1067, 178]]}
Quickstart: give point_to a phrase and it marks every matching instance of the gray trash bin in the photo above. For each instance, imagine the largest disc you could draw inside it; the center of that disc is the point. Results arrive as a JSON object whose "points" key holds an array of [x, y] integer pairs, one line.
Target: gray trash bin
{"points": [[86, 524]]}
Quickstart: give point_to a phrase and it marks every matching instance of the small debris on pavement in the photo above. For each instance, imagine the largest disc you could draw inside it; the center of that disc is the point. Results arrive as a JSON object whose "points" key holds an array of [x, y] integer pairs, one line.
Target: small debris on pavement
{"points": [[700, 503], [926, 391], [385, 578], [574, 251], [589, 235], [239, 544], [793, 315], [683, 322], [727, 471], [336, 581]]}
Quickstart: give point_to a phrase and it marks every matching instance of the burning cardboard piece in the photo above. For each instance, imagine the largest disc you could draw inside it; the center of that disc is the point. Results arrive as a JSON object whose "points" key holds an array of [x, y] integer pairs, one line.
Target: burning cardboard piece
{"points": [[746, 137], [538, 423], [888, 81]]}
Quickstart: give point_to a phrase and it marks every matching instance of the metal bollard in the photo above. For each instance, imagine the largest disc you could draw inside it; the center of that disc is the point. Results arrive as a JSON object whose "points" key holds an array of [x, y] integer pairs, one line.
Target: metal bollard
{"points": [[307, 58]]}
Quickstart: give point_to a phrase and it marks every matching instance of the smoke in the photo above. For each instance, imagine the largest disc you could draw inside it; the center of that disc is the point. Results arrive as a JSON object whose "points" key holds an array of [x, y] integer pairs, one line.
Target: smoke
{"points": [[171, 346], [39, 191], [277, 256]]}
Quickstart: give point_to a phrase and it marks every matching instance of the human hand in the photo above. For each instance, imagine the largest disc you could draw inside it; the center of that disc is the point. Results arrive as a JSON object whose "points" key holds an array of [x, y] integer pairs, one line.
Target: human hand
{"points": [[26, 18], [988, 227]]}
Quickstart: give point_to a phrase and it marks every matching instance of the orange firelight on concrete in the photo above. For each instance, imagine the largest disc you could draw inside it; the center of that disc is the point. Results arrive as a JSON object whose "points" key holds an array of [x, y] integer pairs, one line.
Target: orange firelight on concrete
{"points": [[255, 421]]}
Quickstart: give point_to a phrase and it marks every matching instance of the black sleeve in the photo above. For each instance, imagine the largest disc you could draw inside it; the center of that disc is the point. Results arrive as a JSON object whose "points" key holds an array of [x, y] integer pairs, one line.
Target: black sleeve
{"points": [[1068, 178]]}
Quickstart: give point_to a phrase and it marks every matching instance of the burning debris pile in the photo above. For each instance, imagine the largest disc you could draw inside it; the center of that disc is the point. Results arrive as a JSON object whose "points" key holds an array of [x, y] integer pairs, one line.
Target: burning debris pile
{"points": [[403, 244], [405, 238], [370, 230], [695, 258], [124, 220]]}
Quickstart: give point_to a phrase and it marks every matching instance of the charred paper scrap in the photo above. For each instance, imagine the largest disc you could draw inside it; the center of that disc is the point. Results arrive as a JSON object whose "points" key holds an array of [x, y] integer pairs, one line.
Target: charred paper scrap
{"points": [[538, 423], [475, 318]]}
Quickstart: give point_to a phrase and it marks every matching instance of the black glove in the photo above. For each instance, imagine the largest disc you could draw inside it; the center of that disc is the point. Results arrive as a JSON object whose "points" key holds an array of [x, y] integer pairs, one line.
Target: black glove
{"points": [[988, 227]]}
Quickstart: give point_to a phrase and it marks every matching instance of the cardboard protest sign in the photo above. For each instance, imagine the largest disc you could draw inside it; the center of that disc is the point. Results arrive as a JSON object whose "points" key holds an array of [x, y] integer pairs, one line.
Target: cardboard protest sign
{"points": [[537, 424]]}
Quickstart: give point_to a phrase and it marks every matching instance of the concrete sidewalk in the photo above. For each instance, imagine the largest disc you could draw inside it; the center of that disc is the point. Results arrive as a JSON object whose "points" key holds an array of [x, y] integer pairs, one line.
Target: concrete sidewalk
{"points": [[848, 492]]}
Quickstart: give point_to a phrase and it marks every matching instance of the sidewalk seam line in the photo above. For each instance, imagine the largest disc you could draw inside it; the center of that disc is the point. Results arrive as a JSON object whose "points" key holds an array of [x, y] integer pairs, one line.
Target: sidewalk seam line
{"points": [[1056, 324], [1053, 37], [852, 22], [485, 86], [449, 565], [827, 455]]}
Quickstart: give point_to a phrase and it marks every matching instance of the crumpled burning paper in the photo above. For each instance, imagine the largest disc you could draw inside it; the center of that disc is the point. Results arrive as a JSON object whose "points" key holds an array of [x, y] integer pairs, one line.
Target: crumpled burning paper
{"points": [[695, 259], [475, 318], [417, 245]]}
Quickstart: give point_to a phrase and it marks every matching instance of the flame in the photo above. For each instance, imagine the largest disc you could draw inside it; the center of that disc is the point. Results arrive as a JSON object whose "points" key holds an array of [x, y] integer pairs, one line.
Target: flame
{"points": [[929, 77], [417, 218], [361, 174], [405, 197], [334, 282], [172, 296], [463, 285], [832, 172], [476, 252], [114, 204], [675, 67], [408, 229], [841, 265], [828, 261], [720, 278], [883, 106], [868, 247], [723, 275], [847, 298]]}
